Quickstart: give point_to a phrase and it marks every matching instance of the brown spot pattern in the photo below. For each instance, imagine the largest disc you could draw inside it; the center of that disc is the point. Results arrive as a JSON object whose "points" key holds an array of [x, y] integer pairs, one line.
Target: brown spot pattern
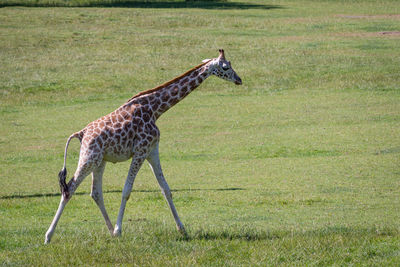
{"points": [[131, 128]]}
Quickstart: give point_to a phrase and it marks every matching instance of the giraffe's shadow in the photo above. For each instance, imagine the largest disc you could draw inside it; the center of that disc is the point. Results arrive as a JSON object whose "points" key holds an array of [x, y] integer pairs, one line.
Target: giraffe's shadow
{"points": [[38, 195], [255, 234]]}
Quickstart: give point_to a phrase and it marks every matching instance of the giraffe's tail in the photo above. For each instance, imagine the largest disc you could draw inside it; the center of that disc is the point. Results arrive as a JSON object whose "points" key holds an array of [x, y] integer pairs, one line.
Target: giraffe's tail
{"points": [[62, 175]]}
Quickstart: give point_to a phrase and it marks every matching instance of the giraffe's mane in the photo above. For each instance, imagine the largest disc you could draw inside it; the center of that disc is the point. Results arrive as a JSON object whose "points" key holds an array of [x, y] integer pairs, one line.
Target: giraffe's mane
{"points": [[169, 82]]}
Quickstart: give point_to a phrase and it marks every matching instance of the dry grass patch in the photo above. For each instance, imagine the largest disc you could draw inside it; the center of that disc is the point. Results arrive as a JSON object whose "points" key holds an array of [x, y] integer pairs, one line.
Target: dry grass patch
{"points": [[389, 34], [383, 16]]}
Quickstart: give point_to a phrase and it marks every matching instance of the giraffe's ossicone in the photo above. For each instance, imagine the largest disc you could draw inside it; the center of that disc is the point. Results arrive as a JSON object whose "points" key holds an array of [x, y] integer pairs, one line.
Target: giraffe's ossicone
{"points": [[131, 132]]}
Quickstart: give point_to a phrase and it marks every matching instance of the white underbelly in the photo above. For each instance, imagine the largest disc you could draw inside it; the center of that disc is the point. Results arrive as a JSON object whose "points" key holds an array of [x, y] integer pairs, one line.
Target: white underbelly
{"points": [[112, 157]]}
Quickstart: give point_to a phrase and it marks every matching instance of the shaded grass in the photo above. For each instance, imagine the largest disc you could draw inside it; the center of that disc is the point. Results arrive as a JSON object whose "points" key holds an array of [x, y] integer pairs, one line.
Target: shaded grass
{"points": [[203, 4]]}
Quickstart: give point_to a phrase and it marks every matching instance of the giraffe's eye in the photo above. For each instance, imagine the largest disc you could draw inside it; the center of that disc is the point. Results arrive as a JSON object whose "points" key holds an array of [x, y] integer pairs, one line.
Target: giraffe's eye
{"points": [[225, 67]]}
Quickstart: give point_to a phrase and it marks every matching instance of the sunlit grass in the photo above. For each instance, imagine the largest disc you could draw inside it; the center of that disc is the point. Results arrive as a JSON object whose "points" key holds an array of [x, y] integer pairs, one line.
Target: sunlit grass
{"points": [[299, 166]]}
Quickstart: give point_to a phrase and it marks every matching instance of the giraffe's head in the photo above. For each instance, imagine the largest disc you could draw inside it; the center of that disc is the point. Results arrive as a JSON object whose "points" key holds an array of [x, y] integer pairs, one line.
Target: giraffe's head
{"points": [[222, 68]]}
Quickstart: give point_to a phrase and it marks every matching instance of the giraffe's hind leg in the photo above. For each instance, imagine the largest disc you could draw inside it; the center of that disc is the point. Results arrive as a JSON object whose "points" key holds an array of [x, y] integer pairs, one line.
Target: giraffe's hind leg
{"points": [[83, 170], [97, 193]]}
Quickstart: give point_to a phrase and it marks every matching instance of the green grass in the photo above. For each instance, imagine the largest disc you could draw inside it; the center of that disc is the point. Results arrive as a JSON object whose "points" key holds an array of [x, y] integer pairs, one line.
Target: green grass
{"points": [[298, 166]]}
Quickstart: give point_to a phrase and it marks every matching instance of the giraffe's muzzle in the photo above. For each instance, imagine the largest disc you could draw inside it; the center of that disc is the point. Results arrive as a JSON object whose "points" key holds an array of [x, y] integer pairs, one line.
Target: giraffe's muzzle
{"points": [[238, 81]]}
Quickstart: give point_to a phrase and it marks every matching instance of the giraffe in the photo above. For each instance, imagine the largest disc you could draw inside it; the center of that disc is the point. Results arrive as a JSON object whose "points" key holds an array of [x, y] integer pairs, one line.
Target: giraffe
{"points": [[130, 132]]}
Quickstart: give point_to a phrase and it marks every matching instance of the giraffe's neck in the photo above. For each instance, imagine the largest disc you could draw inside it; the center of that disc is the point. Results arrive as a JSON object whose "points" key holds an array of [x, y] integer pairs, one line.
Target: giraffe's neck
{"points": [[168, 94]]}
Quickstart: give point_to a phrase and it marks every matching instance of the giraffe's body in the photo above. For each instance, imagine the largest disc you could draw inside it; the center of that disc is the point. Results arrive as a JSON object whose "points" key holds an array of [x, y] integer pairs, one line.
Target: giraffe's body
{"points": [[131, 132], [114, 136]]}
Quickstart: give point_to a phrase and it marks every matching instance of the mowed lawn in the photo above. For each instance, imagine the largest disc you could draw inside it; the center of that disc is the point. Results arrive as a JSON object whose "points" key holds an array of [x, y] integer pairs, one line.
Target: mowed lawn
{"points": [[298, 166]]}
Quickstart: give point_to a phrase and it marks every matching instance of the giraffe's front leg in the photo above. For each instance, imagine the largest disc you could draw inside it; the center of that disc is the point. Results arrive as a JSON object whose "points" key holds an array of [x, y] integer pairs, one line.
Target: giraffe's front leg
{"points": [[154, 160], [136, 163]]}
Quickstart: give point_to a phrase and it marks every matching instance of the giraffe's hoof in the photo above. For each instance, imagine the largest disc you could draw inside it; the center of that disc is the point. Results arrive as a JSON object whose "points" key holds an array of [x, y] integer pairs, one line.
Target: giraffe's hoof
{"points": [[117, 232], [182, 230], [47, 237]]}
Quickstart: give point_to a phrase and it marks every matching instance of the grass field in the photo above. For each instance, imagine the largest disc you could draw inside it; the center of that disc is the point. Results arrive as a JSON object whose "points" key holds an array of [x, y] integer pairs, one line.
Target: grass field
{"points": [[298, 166]]}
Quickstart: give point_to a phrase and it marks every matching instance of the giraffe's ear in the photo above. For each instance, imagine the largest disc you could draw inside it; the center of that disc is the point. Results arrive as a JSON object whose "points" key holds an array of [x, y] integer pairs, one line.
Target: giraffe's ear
{"points": [[206, 60], [221, 53]]}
